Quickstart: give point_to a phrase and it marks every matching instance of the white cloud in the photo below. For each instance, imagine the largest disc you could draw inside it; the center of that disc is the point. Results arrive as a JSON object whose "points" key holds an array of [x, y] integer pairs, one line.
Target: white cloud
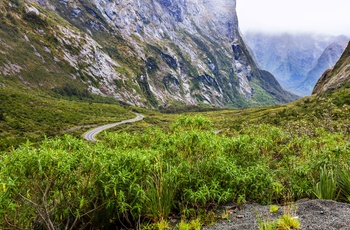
{"points": [[308, 16]]}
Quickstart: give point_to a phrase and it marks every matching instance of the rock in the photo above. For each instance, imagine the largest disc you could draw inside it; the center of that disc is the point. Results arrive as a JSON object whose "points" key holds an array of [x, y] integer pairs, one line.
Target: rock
{"points": [[312, 214]]}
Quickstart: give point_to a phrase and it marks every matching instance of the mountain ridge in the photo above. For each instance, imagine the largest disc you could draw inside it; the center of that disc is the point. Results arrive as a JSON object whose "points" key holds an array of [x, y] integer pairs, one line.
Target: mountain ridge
{"points": [[155, 54]]}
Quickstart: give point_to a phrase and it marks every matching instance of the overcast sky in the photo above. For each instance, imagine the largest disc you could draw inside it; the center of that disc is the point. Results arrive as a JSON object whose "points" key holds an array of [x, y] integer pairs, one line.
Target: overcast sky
{"points": [[315, 16]]}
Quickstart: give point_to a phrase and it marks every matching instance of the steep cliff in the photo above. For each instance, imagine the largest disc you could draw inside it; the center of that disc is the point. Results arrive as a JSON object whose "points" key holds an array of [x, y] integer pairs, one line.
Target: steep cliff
{"points": [[149, 53], [336, 77]]}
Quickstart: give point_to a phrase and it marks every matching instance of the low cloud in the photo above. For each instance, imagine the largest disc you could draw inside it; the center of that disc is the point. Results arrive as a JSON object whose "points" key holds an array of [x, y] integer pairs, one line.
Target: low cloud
{"points": [[306, 16]]}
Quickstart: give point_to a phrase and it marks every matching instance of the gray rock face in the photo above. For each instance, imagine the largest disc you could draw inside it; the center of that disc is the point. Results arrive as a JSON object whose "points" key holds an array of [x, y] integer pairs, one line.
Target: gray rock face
{"points": [[155, 52]]}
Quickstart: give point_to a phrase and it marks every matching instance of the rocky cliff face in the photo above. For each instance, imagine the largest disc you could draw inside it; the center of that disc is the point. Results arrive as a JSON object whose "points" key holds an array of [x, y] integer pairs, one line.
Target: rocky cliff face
{"points": [[336, 77], [296, 60], [149, 53]]}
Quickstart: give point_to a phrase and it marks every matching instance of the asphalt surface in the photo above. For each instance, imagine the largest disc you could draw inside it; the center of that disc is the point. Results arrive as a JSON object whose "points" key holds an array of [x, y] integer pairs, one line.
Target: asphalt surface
{"points": [[91, 134]]}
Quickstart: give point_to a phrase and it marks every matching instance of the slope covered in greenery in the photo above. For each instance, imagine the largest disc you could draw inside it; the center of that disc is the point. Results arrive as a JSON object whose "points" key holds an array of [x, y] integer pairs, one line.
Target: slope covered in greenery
{"points": [[27, 114], [138, 175]]}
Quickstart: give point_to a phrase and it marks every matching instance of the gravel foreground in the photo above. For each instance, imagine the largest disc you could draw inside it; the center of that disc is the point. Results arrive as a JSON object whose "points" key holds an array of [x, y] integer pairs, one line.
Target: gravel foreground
{"points": [[313, 214]]}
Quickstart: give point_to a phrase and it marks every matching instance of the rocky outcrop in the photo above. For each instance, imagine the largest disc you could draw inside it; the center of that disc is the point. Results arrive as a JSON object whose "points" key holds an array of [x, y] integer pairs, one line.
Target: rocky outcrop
{"points": [[336, 77], [150, 53]]}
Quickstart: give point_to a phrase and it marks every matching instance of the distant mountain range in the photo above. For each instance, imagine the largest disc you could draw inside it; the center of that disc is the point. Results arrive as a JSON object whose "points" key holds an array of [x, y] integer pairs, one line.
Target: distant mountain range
{"points": [[296, 60]]}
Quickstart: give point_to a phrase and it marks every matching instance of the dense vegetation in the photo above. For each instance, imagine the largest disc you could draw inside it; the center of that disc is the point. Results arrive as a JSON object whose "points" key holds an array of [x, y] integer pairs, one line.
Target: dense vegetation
{"points": [[182, 166]]}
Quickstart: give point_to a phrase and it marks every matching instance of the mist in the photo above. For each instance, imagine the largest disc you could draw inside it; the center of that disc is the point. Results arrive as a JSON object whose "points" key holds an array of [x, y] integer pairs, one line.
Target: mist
{"points": [[294, 16]]}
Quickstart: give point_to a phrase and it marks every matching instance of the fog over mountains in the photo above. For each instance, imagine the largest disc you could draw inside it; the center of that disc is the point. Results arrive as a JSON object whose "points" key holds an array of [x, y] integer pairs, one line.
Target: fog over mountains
{"points": [[296, 60]]}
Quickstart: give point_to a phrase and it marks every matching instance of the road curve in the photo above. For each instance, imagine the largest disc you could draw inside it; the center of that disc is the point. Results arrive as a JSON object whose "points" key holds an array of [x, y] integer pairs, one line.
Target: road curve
{"points": [[91, 134]]}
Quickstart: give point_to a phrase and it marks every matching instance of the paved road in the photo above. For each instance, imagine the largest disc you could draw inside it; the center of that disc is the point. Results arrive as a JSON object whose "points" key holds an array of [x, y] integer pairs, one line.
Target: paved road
{"points": [[90, 135]]}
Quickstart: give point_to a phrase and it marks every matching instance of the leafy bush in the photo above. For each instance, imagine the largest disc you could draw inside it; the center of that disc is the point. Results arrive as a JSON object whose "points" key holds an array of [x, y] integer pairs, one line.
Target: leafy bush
{"points": [[128, 178]]}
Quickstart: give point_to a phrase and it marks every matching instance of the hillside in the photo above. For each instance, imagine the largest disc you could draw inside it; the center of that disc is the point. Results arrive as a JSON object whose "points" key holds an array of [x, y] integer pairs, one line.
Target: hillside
{"points": [[26, 115], [159, 54]]}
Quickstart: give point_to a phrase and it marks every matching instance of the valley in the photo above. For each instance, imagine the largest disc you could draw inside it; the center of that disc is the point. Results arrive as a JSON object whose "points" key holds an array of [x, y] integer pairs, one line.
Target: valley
{"points": [[212, 133]]}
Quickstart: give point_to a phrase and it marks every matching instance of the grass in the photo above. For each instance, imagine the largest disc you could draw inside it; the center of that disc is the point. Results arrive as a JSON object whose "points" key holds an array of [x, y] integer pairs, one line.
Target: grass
{"points": [[344, 184], [326, 189], [273, 208], [285, 222], [149, 175], [28, 115]]}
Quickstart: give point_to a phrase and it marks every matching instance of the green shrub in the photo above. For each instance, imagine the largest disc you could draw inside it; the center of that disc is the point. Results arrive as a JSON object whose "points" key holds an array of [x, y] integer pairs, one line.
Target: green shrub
{"points": [[285, 222], [273, 208], [344, 184], [129, 177], [160, 193], [326, 188]]}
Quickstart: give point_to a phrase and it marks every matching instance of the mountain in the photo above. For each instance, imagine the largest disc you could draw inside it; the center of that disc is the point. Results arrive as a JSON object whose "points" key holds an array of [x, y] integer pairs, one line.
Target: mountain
{"points": [[158, 53], [328, 58], [336, 77], [296, 60]]}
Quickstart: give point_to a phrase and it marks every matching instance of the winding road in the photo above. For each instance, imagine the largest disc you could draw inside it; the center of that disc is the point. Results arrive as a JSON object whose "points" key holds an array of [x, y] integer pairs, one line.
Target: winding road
{"points": [[91, 134]]}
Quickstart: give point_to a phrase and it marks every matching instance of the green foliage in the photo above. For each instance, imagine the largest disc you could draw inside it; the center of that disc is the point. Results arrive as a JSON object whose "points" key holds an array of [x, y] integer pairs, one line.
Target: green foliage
{"points": [[344, 183], [160, 193], [35, 19], [144, 85], [25, 114], [71, 90], [192, 123], [192, 225], [327, 187], [16, 2], [267, 225], [273, 208], [285, 222], [151, 65]]}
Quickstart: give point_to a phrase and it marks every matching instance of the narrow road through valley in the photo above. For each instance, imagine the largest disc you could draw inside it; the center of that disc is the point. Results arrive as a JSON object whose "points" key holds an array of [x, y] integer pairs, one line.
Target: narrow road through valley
{"points": [[91, 135]]}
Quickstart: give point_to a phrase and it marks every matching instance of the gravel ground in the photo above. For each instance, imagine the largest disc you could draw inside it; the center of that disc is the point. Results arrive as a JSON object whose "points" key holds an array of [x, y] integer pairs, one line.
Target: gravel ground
{"points": [[313, 214]]}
